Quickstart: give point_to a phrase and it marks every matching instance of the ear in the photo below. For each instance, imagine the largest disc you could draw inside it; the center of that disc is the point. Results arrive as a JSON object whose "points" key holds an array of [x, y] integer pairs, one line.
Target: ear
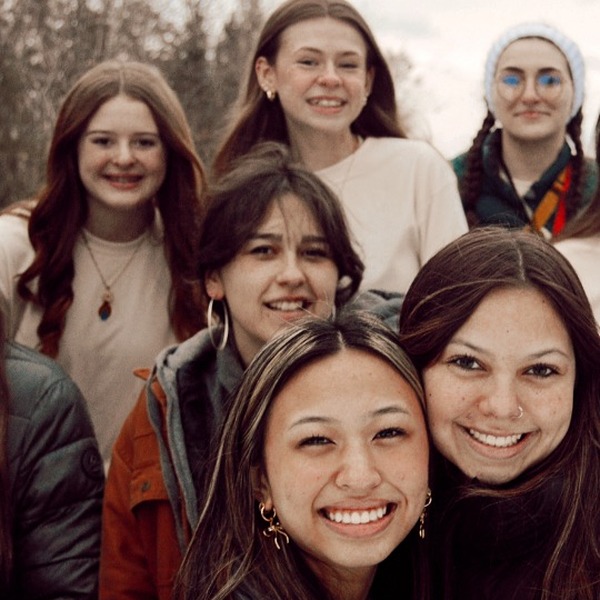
{"points": [[214, 285], [260, 487], [265, 74]]}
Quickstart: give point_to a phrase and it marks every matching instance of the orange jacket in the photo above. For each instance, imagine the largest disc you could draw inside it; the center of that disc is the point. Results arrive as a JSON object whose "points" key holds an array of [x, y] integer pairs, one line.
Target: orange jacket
{"points": [[140, 552]]}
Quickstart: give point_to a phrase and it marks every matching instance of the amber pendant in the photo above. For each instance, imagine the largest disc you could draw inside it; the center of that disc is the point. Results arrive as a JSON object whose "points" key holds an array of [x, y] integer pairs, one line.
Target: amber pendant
{"points": [[105, 309]]}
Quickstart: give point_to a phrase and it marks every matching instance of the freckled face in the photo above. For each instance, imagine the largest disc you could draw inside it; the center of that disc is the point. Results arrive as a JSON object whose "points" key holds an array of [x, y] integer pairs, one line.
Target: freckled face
{"points": [[346, 457], [514, 351]]}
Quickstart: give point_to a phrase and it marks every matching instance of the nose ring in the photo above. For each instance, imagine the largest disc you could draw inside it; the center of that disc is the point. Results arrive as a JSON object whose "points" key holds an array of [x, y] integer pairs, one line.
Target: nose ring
{"points": [[520, 413]]}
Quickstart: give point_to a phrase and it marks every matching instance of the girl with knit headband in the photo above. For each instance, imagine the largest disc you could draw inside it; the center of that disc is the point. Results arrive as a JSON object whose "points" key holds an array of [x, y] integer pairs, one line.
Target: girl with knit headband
{"points": [[521, 170]]}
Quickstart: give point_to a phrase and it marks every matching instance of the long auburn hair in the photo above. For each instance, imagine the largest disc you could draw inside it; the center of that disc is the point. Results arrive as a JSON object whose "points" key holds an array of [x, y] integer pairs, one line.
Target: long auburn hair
{"points": [[61, 209], [228, 554], [6, 549], [256, 119], [442, 297]]}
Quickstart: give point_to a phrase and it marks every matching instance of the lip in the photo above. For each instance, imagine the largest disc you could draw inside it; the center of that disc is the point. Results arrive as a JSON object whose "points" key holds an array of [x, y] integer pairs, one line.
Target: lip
{"points": [[122, 181], [295, 304], [531, 114], [327, 103], [495, 445], [359, 521]]}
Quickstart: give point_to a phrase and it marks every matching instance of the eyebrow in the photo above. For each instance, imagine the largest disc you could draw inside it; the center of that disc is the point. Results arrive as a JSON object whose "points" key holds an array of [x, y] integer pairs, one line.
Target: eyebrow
{"points": [[540, 70], [277, 237], [535, 355], [387, 410], [110, 132], [319, 51]]}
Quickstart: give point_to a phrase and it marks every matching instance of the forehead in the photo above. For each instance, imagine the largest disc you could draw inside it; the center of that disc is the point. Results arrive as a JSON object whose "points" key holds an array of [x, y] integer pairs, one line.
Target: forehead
{"points": [[519, 317], [123, 111], [351, 383], [532, 54], [323, 34], [289, 213]]}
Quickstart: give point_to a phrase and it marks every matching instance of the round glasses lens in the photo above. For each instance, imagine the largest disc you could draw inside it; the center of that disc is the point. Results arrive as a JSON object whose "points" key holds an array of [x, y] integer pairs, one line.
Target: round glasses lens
{"points": [[548, 85], [511, 86]]}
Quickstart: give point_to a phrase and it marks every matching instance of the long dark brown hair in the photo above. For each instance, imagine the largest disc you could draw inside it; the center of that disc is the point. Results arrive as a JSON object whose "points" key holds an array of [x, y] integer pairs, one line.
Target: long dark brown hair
{"points": [[61, 209], [442, 297], [239, 201], [257, 119], [228, 556]]}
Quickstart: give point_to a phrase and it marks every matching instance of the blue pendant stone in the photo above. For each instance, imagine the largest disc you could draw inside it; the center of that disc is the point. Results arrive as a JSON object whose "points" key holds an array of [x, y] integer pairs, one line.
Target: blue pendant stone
{"points": [[104, 311]]}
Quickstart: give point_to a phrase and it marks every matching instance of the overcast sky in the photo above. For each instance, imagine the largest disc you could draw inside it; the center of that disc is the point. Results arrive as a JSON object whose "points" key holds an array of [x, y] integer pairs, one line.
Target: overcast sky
{"points": [[447, 42]]}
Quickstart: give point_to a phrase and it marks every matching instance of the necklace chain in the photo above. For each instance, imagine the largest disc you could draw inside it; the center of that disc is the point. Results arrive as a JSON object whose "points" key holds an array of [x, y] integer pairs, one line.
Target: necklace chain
{"points": [[105, 309]]}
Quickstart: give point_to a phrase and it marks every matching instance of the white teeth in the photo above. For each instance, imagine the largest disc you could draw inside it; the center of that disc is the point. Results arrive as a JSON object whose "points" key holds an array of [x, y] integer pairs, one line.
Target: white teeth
{"points": [[357, 517], [287, 306], [496, 441], [327, 103]]}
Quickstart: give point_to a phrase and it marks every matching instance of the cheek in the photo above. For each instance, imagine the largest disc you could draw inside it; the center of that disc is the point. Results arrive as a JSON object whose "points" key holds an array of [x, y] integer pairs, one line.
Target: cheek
{"points": [[324, 281]]}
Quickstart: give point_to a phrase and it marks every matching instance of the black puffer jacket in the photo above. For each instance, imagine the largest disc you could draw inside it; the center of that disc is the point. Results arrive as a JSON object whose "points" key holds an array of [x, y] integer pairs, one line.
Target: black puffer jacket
{"points": [[56, 482]]}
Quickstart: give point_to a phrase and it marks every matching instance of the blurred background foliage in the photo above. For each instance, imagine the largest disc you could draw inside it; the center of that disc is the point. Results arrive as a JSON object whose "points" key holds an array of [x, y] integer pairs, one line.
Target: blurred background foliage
{"points": [[201, 46]]}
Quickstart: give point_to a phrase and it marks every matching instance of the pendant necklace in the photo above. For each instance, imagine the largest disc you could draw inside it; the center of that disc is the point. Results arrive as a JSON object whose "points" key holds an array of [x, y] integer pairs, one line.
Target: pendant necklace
{"points": [[105, 309]]}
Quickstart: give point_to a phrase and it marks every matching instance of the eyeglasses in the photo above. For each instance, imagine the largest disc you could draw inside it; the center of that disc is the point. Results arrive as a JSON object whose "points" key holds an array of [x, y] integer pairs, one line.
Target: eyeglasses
{"points": [[548, 86]]}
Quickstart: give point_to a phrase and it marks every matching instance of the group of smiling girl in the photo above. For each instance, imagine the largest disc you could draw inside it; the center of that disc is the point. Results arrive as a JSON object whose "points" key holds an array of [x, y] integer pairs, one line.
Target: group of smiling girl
{"points": [[294, 439]]}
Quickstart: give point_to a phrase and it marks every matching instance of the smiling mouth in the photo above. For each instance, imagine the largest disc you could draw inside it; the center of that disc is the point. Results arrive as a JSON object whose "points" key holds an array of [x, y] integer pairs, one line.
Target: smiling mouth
{"points": [[358, 517], [289, 305], [124, 178], [496, 441], [326, 103]]}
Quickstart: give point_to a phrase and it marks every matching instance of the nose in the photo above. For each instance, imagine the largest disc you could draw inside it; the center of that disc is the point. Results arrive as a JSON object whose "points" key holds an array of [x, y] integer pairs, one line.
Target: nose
{"points": [[291, 272], [501, 400], [530, 93], [329, 76], [123, 154], [357, 471]]}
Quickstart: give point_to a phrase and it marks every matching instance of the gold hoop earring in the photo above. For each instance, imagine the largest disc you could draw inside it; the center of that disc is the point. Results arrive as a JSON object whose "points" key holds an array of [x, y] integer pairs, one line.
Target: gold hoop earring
{"points": [[423, 515], [274, 528], [211, 327]]}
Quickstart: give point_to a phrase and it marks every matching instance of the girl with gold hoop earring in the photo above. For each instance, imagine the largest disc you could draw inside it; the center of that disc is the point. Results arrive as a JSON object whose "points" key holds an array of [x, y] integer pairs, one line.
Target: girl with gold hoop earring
{"points": [[274, 248]]}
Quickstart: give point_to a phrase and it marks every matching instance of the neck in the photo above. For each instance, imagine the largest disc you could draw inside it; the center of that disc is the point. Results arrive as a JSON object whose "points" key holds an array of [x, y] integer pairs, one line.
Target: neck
{"points": [[529, 160], [318, 150], [119, 227]]}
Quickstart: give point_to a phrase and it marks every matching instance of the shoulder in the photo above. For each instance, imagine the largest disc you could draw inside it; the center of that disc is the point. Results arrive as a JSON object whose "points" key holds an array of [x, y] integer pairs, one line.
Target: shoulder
{"points": [[47, 409], [398, 156], [33, 376], [50, 431], [402, 147], [14, 227]]}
